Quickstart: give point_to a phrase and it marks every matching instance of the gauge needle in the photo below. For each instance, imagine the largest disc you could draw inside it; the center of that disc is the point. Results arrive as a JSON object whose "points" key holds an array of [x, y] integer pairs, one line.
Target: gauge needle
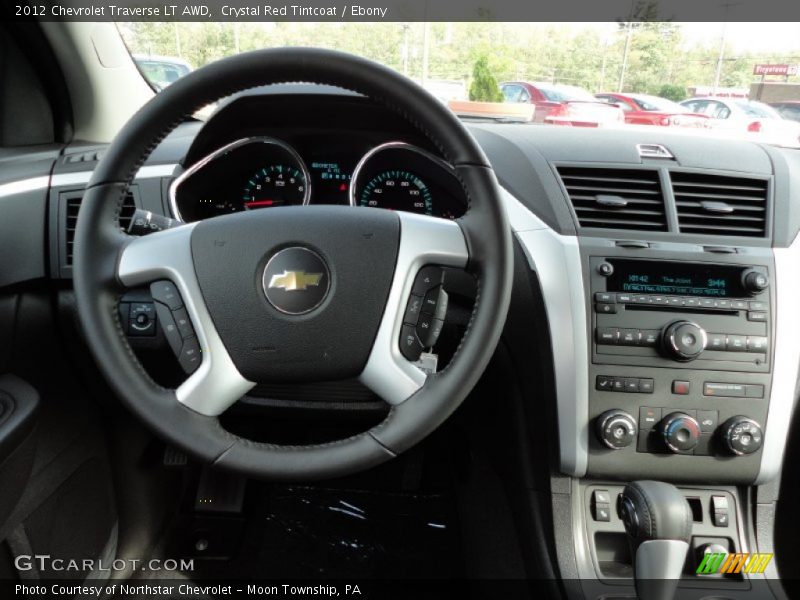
{"points": [[257, 203]]}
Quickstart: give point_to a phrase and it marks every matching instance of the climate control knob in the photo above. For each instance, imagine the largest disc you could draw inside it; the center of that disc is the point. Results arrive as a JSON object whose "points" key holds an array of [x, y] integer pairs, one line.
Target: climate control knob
{"points": [[684, 340], [680, 432], [616, 429], [754, 281], [742, 435]]}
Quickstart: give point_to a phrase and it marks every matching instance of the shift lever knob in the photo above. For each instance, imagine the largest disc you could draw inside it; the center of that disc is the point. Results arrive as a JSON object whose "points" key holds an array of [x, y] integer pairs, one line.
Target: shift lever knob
{"points": [[658, 522]]}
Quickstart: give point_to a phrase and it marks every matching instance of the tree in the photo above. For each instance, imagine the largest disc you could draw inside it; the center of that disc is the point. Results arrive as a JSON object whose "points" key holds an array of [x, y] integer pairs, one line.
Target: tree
{"points": [[484, 86], [673, 92]]}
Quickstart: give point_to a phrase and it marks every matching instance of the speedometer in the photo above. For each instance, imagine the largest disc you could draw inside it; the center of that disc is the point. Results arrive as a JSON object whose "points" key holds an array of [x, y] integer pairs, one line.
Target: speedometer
{"points": [[397, 190]]}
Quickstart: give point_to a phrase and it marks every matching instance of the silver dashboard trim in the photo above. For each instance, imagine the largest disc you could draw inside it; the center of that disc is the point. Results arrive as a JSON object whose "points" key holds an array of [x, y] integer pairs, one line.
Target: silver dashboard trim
{"points": [[217, 383], [786, 326], [222, 151], [24, 185], [556, 260]]}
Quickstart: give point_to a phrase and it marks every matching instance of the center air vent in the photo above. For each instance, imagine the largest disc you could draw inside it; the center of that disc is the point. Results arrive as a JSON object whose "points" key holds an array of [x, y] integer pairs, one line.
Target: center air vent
{"points": [[608, 198], [71, 203], [720, 205]]}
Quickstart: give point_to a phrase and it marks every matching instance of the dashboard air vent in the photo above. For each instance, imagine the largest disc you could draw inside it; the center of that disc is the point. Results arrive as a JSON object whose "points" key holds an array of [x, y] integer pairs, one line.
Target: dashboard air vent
{"points": [[72, 204], [720, 205], [610, 198]]}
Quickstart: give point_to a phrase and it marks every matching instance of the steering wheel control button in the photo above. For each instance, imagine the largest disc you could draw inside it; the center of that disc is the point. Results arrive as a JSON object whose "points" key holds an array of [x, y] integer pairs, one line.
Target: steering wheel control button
{"points": [[427, 279], [742, 435], [169, 327], [296, 280], [410, 345], [616, 429], [142, 319], [183, 323], [680, 432], [429, 329], [190, 355], [166, 293], [435, 302], [413, 309]]}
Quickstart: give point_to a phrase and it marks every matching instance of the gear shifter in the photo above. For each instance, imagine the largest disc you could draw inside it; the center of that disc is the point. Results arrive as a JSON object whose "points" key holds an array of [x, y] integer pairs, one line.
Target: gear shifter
{"points": [[658, 521]]}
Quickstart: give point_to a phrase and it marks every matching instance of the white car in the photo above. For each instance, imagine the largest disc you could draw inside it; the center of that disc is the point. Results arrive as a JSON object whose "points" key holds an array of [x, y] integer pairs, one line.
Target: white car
{"points": [[751, 118]]}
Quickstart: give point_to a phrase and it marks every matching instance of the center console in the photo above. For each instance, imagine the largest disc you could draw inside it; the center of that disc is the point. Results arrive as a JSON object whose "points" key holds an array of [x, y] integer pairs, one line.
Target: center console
{"points": [[680, 372]]}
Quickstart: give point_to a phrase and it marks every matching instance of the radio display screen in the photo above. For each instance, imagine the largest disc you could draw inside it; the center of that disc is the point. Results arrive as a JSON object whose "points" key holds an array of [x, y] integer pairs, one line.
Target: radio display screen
{"points": [[676, 279]]}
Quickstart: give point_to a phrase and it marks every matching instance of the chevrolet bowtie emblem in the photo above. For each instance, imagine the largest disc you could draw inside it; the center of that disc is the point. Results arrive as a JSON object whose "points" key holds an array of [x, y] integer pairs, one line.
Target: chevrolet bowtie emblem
{"points": [[294, 280]]}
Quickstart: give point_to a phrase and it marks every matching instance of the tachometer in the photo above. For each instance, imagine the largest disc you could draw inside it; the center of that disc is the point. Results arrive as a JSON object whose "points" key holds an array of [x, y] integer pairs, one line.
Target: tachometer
{"points": [[274, 185], [397, 190]]}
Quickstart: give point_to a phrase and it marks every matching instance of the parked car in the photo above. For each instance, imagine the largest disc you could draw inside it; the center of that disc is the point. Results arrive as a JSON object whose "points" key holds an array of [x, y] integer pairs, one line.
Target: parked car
{"points": [[758, 120], [162, 71], [559, 104], [643, 109], [789, 109]]}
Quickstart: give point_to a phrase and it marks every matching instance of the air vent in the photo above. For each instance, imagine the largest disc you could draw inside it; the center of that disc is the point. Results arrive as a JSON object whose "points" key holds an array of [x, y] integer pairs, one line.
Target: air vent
{"points": [[72, 204], [608, 198], [720, 205]]}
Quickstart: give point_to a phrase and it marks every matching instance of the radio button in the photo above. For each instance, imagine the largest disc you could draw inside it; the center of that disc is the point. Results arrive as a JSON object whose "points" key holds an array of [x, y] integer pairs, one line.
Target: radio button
{"points": [[624, 298], [607, 335], [758, 305], [693, 302], [716, 341], [642, 299], [757, 315], [660, 300], [726, 304], [707, 303], [737, 343], [739, 304], [605, 308], [649, 337], [757, 343], [675, 301], [604, 297], [646, 386], [628, 337]]}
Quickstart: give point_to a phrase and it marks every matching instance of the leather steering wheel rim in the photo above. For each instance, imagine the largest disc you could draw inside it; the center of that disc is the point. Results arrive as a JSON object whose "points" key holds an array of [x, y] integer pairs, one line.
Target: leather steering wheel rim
{"points": [[102, 250]]}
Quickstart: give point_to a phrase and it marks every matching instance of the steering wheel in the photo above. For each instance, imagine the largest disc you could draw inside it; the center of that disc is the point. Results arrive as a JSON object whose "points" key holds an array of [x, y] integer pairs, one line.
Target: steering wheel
{"points": [[364, 261]]}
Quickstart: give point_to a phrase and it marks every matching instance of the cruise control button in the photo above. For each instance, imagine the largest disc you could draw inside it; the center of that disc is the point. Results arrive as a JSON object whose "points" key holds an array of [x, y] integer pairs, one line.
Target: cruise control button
{"points": [[410, 345], [757, 343], [190, 357], [607, 335], [427, 279], [413, 308], [166, 293], [141, 319], [169, 328]]}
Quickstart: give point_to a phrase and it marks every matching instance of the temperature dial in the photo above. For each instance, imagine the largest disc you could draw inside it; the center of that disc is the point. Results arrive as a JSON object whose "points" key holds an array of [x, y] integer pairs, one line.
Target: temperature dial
{"points": [[742, 435], [684, 340], [616, 429], [680, 432]]}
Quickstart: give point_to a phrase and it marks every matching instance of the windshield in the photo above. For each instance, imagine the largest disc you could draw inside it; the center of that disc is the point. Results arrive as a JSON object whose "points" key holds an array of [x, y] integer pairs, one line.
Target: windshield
{"points": [[489, 70]]}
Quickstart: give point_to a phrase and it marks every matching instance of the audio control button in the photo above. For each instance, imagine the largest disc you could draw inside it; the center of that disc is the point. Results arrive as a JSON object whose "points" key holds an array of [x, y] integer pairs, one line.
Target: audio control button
{"points": [[684, 340], [628, 337], [737, 343], [648, 337], [757, 305], [604, 297], [716, 341], [607, 335], [757, 343], [605, 308], [758, 316]]}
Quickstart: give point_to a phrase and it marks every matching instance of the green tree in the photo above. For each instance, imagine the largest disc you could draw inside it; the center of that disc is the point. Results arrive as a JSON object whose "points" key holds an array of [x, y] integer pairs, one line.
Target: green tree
{"points": [[673, 92], [484, 86]]}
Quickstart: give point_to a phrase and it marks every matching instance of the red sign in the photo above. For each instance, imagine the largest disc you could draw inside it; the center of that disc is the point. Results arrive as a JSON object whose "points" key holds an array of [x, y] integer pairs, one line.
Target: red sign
{"points": [[775, 70]]}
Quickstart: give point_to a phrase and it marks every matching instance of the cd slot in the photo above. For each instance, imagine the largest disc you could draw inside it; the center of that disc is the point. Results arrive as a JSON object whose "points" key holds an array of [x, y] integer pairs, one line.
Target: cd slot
{"points": [[681, 309]]}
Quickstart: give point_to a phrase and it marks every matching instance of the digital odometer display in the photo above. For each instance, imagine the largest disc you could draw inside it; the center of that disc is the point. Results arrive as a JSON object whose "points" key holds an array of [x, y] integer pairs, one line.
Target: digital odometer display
{"points": [[676, 279]]}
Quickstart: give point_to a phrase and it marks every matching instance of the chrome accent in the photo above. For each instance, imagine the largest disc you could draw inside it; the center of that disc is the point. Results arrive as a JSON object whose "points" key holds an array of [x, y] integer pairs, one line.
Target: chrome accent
{"points": [[727, 434], [24, 185], [395, 145], [220, 152], [786, 355], [556, 260], [658, 566], [654, 151], [423, 240], [217, 383], [83, 177]]}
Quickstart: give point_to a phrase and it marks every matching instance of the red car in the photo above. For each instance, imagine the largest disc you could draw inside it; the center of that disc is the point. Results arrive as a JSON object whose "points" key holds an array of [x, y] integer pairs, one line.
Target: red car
{"points": [[642, 109], [559, 104]]}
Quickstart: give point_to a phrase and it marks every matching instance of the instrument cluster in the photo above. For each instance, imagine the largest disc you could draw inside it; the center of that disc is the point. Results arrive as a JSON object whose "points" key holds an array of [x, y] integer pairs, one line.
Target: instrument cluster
{"points": [[262, 172]]}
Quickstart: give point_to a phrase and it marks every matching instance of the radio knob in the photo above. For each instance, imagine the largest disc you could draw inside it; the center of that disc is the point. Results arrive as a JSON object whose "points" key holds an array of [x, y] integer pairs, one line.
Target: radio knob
{"points": [[616, 429], [680, 432], [754, 281], [684, 340], [742, 435]]}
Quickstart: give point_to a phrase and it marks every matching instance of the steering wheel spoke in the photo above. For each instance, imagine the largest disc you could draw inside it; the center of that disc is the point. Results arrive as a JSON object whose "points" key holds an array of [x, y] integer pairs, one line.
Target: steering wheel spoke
{"points": [[423, 241], [167, 255]]}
